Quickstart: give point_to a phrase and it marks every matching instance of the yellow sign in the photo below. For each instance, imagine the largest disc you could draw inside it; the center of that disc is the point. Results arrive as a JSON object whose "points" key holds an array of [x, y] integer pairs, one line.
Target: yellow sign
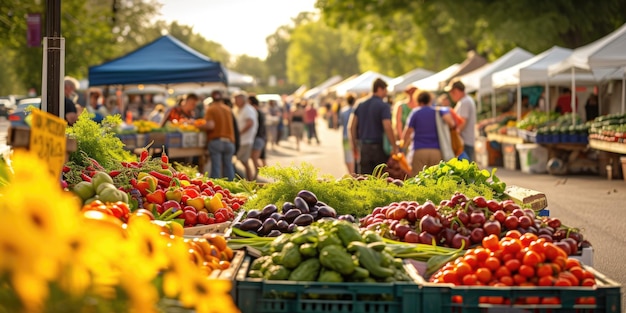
{"points": [[47, 139]]}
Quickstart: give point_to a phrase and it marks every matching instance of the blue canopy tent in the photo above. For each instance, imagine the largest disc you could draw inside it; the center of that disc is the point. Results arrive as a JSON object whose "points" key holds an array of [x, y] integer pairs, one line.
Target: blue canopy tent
{"points": [[163, 61]]}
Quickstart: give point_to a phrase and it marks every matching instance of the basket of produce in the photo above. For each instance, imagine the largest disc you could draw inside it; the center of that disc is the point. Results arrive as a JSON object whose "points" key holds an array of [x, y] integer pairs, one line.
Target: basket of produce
{"points": [[329, 266], [518, 272]]}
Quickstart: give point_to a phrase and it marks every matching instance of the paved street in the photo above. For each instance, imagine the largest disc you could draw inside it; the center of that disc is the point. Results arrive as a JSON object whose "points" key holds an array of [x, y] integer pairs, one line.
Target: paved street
{"points": [[591, 203]]}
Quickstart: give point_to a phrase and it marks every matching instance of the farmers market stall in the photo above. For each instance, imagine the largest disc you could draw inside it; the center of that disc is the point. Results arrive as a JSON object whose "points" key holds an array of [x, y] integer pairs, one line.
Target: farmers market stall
{"points": [[453, 237]]}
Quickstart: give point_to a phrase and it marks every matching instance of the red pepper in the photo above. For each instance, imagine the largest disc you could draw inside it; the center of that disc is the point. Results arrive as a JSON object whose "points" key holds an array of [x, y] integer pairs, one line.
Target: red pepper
{"points": [[158, 196], [90, 168], [161, 176], [164, 158], [113, 174], [133, 182], [144, 156], [85, 177], [163, 184], [66, 169], [95, 163]]}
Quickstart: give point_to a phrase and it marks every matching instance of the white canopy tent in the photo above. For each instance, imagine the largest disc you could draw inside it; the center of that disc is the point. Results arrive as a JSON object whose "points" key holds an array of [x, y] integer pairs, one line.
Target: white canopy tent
{"points": [[360, 84], [317, 90], [605, 58], [239, 80], [479, 80], [534, 71], [400, 83], [432, 82]]}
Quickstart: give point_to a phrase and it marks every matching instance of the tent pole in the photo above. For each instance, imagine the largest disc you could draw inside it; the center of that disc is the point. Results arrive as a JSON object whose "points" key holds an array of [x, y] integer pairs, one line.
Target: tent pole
{"points": [[519, 101], [573, 96], [546, 98], [493, 103], [624, 90]]}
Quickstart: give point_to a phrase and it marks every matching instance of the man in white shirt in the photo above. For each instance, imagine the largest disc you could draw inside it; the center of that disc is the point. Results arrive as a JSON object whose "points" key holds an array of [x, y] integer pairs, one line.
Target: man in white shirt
{"points": [[465, 108], [247, 121]]}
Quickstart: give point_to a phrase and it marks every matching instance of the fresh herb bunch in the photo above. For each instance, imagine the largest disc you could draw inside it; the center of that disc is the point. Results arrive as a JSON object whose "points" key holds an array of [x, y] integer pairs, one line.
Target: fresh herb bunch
{"points": [[349, 195], [98, 141], [463, 172]]}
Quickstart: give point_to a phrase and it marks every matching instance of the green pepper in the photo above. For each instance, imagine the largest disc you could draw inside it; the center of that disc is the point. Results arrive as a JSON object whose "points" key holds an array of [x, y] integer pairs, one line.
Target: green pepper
{"points": [[370, 259], [336, 258], [277, 272], [308, 249]]}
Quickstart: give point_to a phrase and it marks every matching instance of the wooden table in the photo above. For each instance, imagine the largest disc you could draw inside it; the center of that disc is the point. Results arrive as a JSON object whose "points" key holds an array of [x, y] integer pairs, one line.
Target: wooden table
{"points": [[561, 149], [615, 147]]}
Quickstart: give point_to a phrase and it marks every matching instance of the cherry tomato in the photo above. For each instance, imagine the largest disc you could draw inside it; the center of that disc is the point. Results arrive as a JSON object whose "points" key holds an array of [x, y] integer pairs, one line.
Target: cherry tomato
{"points": [[492, 263], [483, 275]]}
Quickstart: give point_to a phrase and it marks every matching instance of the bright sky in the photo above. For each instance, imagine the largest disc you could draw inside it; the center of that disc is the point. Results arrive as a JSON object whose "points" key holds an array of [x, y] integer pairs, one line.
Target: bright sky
{"points": [[240, 26]]}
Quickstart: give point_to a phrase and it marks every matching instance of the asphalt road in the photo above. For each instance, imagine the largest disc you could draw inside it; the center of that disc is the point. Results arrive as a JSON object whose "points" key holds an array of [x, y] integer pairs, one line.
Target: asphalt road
{"points": [[590, 203]]}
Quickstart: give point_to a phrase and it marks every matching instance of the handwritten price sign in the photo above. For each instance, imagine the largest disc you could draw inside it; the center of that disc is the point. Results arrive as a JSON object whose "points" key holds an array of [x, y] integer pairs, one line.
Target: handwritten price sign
{"points": [[47, 139]]}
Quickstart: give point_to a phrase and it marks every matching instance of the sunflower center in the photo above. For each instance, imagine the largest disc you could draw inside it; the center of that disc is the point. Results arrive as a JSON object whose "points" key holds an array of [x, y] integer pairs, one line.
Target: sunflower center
{"points": [[9, 248], [37, 220], [201, 289], [150, 247]]}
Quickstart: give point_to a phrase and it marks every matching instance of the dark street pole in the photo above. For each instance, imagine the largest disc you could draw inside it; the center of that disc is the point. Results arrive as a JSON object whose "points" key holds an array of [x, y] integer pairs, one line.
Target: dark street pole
{"points": [[53, 56]]}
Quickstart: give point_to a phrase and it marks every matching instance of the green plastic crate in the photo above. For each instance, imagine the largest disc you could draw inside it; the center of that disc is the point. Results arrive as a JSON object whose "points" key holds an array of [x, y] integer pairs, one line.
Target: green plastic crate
{"points": [[261, 296], [437, 298]]}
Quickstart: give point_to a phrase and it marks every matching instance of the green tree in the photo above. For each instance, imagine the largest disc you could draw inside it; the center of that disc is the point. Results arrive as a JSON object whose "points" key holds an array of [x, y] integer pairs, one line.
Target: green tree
{"points": [[450, 28], [93, 33], [317, 52], [252, 66]]}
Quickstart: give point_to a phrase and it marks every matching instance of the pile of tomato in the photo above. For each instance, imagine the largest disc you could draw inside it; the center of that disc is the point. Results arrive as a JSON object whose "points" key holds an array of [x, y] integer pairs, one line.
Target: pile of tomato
{"points": [[516, 260]]}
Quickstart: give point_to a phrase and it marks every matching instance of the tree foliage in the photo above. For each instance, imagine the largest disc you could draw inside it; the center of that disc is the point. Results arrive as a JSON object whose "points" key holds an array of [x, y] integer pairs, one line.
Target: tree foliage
{"points": [[449, 28], [317, 52]]}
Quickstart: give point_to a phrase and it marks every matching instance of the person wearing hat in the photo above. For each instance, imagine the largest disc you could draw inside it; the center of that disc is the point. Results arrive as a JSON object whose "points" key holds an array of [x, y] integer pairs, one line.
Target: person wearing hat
{"points": [[370, 121], [466, 109]]}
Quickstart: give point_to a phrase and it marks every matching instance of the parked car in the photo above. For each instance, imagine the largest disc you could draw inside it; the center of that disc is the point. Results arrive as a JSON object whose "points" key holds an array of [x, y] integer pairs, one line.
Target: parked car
{"points": [[19, 114], [6, 107]]}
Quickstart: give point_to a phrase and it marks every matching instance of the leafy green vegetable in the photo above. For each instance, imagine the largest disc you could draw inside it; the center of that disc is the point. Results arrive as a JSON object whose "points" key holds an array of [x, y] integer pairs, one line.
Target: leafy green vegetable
{"points": [[351, 196], [464, 173], [98, 141]]}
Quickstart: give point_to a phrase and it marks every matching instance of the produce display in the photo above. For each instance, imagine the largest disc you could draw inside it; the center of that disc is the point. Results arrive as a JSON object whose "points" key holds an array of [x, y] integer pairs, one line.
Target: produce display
{"points": [[516, 260], [329, 251], [610, 128], [357, 196], [56, 258], [354, 231], [304, 210], [461, 223]]}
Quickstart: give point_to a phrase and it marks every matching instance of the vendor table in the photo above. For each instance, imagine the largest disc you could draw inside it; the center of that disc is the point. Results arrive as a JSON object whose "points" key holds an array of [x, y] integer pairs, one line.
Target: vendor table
{"points": [[559, 149], [505, 138], [614, 147]]}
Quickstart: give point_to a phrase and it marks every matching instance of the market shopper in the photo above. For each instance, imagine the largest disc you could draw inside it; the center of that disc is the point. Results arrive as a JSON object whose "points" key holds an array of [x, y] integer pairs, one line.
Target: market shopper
{"points": [[95, 107], [310, 117], [220, 137], [247, 121], [296, 120], [422, 125], [70, 85], [465, 108], [260, 138], [370, 121], [184, 110], [402, 110], [344, 117], [273, 120], [564, 102]]}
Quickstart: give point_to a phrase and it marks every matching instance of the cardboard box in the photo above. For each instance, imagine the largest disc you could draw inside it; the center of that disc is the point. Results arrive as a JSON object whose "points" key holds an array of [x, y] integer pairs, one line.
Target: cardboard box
{"points": [[190, 139], [537, 200]]}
